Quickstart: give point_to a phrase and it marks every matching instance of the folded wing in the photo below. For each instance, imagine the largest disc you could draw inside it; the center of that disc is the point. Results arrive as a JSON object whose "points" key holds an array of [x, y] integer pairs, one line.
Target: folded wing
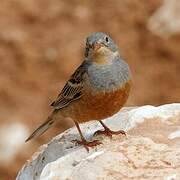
{"points": [[72, 90]]}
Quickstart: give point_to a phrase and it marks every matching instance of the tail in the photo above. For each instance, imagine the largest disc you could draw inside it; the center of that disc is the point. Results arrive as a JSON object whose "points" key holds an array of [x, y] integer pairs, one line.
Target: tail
{"points": [[42, 128]]}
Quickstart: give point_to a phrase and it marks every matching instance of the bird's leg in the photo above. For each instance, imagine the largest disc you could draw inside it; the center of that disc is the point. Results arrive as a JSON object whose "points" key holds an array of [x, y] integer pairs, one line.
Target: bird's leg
{"points": [[108, 132], [83, 141]]}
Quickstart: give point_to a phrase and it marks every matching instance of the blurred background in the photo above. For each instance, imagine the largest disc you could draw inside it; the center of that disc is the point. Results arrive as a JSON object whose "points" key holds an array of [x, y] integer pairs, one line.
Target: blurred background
{"points": [[42, 43]]}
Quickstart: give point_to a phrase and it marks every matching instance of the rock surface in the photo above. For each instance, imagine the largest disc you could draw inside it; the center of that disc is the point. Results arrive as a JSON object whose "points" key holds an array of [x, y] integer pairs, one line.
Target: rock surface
{"points": [[12, 140], [150, 151], [166, 20]]}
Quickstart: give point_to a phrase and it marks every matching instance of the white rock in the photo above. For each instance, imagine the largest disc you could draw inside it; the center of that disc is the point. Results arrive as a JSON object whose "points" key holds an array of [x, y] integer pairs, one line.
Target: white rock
{"points": [[146, 153], [175, 134], [11, 140], [166, 20]]}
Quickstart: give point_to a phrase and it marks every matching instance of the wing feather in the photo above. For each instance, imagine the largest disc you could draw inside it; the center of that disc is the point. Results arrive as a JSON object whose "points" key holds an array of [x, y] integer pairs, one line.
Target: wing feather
{"points": [[72, 90]]}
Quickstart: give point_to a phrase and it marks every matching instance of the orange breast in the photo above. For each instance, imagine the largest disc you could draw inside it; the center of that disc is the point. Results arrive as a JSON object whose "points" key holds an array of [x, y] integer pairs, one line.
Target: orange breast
{"points": [[97, 106]]}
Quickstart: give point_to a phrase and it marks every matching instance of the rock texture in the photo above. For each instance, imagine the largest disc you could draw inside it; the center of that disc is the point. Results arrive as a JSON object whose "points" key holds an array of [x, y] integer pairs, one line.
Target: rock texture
{"points": [[150, 151], [12, 140], [166, 20]]}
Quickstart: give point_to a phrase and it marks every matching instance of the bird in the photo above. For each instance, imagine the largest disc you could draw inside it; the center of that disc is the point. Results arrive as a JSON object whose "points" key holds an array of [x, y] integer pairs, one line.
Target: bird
{"points": [[97, 89]]}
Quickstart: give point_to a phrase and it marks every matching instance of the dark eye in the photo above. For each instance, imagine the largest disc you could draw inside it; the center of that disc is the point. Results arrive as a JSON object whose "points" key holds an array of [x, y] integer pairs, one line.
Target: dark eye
{"points": [[106, 39]]}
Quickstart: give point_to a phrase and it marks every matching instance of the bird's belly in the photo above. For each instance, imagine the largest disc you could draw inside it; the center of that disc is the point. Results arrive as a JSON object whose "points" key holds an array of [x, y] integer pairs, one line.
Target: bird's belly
{"points": [[98, 106]]}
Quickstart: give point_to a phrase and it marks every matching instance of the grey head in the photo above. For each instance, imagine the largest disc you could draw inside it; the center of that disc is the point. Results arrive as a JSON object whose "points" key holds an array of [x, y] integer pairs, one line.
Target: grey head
{"points": [[105, 68], [97, 40]]}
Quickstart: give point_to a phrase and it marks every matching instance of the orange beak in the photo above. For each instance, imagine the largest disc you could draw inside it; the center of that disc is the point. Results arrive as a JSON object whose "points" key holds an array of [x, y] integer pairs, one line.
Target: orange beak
{"points": [[97, 46]]}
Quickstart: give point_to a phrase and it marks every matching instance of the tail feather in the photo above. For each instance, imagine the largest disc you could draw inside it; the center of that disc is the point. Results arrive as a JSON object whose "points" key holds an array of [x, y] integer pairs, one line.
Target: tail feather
{"points": [[42, 128]]}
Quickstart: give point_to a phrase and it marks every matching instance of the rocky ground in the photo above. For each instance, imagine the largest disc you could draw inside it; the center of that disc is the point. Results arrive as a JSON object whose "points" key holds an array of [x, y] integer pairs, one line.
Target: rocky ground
{"points": [[149, 151], [41, 43]]}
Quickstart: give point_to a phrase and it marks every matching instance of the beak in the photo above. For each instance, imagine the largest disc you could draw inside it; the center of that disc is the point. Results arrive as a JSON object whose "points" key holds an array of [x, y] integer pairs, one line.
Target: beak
{"points": [[97, 46]]}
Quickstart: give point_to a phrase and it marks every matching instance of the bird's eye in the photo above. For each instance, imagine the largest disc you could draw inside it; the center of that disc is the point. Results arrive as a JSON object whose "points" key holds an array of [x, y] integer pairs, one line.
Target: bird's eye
{"points": [[106, 39]]}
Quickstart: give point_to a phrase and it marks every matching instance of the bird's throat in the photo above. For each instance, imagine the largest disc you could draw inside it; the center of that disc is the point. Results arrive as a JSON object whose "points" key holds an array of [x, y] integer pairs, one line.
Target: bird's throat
{"points": [[100, 59], [103, 56]]}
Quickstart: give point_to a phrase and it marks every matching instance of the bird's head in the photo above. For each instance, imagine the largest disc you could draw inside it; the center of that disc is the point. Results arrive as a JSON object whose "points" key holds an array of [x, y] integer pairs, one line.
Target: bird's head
{"points": [[100, 48]]}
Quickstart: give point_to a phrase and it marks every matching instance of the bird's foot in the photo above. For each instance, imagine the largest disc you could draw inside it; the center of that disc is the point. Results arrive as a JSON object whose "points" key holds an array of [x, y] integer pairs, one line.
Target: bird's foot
{"points": [[87, 144], [109, 133]]}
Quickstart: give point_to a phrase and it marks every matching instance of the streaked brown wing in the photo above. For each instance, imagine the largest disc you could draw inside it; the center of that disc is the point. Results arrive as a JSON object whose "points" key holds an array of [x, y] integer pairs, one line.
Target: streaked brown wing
{"points": [[72, 89]]}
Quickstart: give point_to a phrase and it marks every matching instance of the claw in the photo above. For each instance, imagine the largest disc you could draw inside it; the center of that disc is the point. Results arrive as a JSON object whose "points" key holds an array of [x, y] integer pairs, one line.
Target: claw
{"points": [[87, 144], [109, 133]]}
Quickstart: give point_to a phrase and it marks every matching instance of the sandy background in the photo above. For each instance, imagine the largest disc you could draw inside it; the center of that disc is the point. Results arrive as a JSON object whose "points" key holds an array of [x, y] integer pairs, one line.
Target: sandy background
{"points": [[41, 44]]}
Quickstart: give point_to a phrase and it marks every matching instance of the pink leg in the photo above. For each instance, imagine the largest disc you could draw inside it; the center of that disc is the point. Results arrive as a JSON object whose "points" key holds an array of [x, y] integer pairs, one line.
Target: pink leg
{"points": [[108, 132], [83, 141]]}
